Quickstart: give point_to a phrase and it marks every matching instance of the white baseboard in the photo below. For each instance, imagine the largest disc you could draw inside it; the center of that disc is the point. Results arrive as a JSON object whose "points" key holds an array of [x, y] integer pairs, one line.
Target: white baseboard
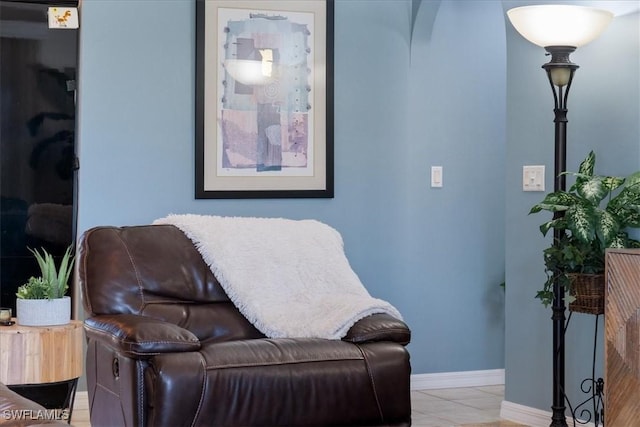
{"points": [[529, 416], [457, 379], [524, 414]]}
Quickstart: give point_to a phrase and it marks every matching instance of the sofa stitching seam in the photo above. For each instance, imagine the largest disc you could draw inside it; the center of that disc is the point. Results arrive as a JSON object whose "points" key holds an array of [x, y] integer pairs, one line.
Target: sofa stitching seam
{"points": [[373, 383], [135, 269]]}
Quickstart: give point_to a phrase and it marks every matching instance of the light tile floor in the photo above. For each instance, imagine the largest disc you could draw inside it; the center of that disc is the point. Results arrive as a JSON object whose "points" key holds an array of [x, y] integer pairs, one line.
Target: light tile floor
{"points": [[450, 407], [80, 414], [457, 406]]}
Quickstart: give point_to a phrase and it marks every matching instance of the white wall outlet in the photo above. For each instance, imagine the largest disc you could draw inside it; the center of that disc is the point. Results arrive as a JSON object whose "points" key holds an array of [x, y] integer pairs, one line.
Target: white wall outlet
{"points": [[533, 178], [436, 176]]}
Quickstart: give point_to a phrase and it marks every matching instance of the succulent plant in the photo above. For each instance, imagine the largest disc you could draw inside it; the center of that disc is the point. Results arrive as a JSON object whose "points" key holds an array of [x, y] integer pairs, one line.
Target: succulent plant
{"points": [[53, 282]]}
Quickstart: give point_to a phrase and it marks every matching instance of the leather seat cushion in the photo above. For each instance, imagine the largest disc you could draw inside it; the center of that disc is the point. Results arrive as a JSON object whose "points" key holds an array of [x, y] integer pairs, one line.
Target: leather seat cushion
{"points": [[229, 383]]}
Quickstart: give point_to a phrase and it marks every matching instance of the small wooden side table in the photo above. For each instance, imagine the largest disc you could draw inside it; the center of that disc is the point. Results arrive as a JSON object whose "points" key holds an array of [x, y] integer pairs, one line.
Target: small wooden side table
{"points": [[42, 362]]}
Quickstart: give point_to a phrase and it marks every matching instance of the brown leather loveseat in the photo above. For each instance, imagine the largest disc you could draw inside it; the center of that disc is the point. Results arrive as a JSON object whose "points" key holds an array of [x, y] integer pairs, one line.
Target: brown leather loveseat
{"points": [[166, 347]]}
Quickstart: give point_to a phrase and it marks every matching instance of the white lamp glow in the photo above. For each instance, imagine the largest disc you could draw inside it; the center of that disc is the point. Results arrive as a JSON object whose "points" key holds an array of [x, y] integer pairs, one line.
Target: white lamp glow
{"points": [[252, 72], [559, 25], [247, 71]]}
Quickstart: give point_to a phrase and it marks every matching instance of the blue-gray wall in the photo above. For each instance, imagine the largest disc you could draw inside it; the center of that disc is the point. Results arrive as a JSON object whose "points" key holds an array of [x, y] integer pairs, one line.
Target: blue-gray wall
{"points": [[455, 259], [604, 116], [456, 93], [438, 255]]}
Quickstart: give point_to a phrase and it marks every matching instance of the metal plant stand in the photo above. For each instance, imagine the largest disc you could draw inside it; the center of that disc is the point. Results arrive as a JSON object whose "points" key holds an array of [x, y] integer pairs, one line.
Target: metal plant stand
{"points": [[590, 410]]}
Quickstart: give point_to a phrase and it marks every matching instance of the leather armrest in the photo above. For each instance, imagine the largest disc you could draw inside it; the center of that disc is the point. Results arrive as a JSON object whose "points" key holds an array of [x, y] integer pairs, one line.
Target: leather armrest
{"points": [[136, 335], [379, 327]]}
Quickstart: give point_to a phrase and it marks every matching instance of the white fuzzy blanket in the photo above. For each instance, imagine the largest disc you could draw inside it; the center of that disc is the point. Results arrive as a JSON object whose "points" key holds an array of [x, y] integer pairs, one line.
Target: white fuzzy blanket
{"points": [[288, 278]]}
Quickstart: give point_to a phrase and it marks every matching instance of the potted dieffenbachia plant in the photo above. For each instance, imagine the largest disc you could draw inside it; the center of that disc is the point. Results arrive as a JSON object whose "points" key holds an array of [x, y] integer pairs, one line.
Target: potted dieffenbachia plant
{"points": [[598, 212]]}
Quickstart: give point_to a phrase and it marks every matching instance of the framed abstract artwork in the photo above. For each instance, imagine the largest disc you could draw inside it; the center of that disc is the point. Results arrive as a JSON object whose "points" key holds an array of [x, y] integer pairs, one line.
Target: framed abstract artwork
{"points": [[264, 99]]}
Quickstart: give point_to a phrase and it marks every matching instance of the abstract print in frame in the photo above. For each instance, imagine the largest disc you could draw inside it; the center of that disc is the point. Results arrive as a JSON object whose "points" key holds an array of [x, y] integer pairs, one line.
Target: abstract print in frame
{"points": [[264, 99]]}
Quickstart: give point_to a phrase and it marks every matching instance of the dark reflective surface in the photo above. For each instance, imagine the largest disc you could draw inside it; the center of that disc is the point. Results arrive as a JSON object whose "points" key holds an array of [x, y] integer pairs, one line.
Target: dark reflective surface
{"points": [[37, 149]]}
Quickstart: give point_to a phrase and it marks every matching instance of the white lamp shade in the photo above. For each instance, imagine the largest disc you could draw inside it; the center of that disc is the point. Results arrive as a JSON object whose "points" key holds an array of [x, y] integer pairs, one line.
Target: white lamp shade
{"points": [[559, 25], [250, 72]]}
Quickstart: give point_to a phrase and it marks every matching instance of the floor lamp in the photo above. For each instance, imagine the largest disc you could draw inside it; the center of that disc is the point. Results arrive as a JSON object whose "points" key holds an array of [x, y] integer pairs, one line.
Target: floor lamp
{"points": [[559, 29]]}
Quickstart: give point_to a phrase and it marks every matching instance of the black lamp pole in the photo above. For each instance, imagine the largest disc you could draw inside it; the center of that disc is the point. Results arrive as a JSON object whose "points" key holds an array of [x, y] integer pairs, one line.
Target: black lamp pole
{"points": [[560, 71]]}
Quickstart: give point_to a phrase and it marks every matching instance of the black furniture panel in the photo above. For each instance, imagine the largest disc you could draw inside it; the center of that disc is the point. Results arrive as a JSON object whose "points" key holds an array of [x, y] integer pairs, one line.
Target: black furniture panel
{"points": [[37, 139]]}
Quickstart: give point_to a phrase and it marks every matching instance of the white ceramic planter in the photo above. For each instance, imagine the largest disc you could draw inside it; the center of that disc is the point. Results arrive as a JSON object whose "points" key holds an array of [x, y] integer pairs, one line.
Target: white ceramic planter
{"points": [[43, 312]]}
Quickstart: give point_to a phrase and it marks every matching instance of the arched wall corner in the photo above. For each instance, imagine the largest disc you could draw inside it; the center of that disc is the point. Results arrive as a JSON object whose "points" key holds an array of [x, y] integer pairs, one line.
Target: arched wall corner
{"points": [[431, 10]]}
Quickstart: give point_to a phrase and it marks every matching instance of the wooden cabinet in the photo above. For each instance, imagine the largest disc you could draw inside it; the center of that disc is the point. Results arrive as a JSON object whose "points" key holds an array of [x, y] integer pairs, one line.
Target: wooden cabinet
{"points": [[622, 338]]}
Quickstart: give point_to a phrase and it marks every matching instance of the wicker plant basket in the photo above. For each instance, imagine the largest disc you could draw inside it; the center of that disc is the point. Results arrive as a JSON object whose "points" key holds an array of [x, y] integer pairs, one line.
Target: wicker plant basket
{"points": [[588, 289]]}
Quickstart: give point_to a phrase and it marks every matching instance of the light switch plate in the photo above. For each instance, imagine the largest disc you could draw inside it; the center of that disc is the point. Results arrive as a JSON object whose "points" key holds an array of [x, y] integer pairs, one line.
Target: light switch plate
{"points": [[533, 178], [436, 176]]}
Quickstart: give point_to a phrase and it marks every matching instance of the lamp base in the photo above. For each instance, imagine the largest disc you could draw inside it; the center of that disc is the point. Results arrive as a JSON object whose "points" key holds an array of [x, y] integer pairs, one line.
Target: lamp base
{"points": [[558, 419]]}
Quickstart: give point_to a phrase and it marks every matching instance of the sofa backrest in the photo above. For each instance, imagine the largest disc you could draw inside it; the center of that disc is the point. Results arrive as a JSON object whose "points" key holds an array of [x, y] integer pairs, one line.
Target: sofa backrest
{"points": [[156, 271]]}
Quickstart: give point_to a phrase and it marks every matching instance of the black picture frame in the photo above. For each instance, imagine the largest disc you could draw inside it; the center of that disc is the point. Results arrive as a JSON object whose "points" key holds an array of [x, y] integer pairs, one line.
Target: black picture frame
{"points": [[224, 119]]}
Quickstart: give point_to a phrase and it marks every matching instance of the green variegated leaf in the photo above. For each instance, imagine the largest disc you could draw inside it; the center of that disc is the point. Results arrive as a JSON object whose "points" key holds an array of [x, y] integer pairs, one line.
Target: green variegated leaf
{"points": [[633, 181], [557, 224], [618, 242], [629, 217], [626, 207], [625, 198], [579, 179], [612, 182], [633, 243], [554, 202], [592, 189], [581, 221], [544, 228], [607, 227], [548, 207], [560, 223], [588, 164]]}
